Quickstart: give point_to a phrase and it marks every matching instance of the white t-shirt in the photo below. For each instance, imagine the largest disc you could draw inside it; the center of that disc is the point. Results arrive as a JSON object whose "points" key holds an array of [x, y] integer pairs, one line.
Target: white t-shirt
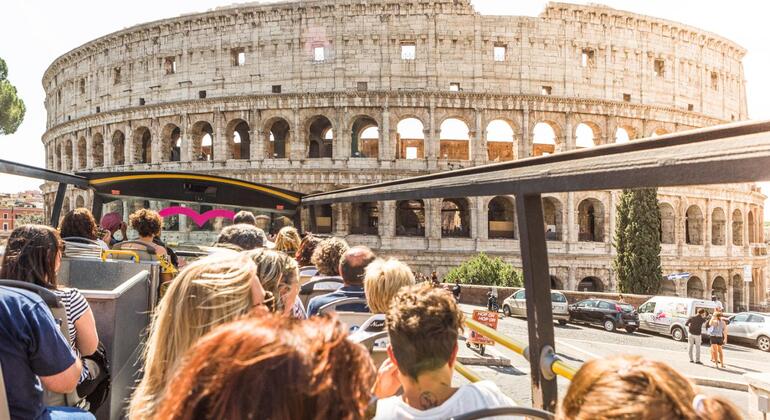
{"points": [[471, 397]]}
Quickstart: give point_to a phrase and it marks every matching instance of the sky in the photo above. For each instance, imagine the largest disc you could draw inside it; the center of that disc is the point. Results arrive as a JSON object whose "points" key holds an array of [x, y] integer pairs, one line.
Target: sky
{"points": [[35, 32]]}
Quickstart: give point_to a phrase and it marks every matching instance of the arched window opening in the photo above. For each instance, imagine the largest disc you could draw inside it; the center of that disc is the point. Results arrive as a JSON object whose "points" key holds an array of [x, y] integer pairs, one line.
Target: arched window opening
{"points": [[118, 148], [172, 143], [66, 207], [556, 283], [57, 160], [279, 133], [142, 145], [695, 288], [659, 132], [80, 202], [97, 150], [320, 138], [455, 218], [365, 138], [365, 219], [68, 155], [501, 218], [454, 140], [552, 217], [324, 221], [543, 139], [752, 227], [719, 289], [590, 284], [585, 136], [667, 224], [410, 218], [500, 143], [693, 226], [622, 135], [718, 227], [81, 158], [203, 141], [737, 285], [237, 133], [591, 221], [737, 228], [411, 139]]}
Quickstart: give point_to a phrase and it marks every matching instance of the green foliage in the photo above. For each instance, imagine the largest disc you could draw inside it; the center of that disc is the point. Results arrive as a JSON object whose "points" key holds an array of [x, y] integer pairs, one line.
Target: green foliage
{"points": [[481, 269], [26, 219], [12, 108], [637, 242]]}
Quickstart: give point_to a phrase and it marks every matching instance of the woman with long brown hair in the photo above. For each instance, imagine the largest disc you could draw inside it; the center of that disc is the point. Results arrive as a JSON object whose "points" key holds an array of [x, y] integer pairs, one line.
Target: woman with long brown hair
{"points": [[208, 292], [717, 330], [80, 223], [271, 368], [631, 387]]}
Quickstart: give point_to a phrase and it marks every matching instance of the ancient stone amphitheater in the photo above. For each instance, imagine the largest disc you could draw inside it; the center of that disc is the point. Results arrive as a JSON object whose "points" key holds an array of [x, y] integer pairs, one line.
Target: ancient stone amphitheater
{"points": [[319, 95]]}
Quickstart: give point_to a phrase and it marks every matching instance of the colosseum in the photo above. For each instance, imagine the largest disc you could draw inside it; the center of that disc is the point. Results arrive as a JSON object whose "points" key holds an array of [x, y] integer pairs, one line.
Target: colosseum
{"points": [[320, 95]]}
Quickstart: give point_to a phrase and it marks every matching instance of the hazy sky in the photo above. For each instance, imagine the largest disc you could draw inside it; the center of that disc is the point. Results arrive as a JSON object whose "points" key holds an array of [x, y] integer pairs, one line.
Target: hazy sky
{"points": [[35, 32]]}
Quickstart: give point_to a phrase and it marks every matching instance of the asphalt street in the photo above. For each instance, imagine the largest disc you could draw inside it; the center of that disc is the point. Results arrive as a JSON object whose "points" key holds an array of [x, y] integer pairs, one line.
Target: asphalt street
{"points": [[579, 343]]}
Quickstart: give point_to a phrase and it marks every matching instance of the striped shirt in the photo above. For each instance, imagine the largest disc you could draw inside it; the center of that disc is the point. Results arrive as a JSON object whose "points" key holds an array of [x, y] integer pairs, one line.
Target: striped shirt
{"points": [[75, 305]]}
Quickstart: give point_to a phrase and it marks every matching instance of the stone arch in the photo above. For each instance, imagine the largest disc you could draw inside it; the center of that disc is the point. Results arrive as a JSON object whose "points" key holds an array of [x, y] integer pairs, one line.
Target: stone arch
{"points": [[591, 220], [80, 202], [590, 284], [545, 137], [320, 137], [324, 219], [501, 143], [364, 137], [552, 217], [455, 218], [718, 226], [695, 287], [410, 218], [454, 139], [624, 133], [58, 164], [751, 218], [501, 218], [667, 223], [238, 137], [737, 286], [81, 153], [693, 225], [142, 143], [118, 148], [411, 138], [667, 287], [68, 155], [658, 131], [277, 130], [719, 288], [65, 207], [587, 134], [556, 283], [364, 218], [203, 141], [737, 227], [97, 150], [171, 143]]}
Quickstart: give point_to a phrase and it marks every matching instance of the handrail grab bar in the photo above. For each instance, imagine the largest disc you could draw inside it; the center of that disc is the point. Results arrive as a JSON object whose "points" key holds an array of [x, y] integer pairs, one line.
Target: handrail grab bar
{"points": [[132, 254]]}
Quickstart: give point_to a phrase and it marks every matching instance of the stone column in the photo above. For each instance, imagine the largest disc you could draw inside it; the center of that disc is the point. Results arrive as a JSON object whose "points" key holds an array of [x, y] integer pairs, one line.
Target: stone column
{"points": [[482, 218], [612, 213], [570, 235], [340, 212], [571, 280], [387, 144], [473, 215], [156, 144], [729, 229], [569, 134], [221, 144], [258, 137], [525, 142], [433, 218], [707, 229], [432, 143], [128, 153], [89, 151], [108, 147], [479, 145], [386, 227], [298, 149]]}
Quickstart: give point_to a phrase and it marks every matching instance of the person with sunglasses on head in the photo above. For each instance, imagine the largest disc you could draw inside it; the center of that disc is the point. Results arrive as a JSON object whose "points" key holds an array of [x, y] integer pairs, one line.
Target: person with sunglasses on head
{"points": [[208, 292], [279, 275]]}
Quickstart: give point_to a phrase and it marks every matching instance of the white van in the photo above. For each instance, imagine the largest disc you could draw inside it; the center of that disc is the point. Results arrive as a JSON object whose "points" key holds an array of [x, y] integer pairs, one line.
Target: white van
{"points": [[668, 314]]}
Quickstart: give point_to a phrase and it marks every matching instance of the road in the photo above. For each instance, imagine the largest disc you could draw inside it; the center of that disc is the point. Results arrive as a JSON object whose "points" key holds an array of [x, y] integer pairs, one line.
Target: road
{"points": [[579, 343]]}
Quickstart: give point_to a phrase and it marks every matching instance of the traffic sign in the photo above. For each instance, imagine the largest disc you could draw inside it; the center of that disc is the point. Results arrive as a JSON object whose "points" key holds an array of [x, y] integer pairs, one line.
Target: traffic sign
{"points": [[679, 276]]}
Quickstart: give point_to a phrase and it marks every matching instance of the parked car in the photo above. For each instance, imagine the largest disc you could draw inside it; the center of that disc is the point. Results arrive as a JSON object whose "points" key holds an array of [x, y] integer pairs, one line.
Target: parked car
{"points": [[668, 314], [516, 305], [751, 328], [610, 314]]}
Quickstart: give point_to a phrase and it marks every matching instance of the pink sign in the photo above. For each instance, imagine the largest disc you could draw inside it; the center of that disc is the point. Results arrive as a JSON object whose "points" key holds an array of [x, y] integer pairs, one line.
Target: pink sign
{"points": [[199, 219]]}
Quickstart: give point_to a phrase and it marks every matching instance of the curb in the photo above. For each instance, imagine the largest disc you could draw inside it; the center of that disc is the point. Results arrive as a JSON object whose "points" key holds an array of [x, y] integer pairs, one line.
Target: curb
{"points": [[719, 383]]}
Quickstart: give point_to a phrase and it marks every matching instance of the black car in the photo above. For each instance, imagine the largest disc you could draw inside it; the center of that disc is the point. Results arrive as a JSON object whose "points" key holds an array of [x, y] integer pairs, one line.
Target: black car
{"points": [[608, 313]]}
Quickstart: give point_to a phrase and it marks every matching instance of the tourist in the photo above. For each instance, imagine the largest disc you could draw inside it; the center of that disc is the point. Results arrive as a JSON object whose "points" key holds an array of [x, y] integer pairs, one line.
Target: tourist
{"points": [[351, 265], [717, 330], [33, 255], [148, 225], [80, 223], [287, 240], [274, 369], [695, 327], [423, 325], [305, 252], [245, 216], [278, 273], [208, 292], [456, 291], [326, 258], [720, 306], [34, 356], [632, 387], [244, 236], [113, 222], [383, 280]]}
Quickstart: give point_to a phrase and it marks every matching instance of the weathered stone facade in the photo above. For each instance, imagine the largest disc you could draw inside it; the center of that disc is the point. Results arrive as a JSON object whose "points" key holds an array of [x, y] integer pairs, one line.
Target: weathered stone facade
{"points": [[285, 92]]}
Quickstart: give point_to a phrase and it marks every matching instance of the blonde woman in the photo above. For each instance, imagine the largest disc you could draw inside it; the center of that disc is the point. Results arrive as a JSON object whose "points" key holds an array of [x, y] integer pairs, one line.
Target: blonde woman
{"points": [[279, 274], [206, 293], [383, 279], [287, 240]]}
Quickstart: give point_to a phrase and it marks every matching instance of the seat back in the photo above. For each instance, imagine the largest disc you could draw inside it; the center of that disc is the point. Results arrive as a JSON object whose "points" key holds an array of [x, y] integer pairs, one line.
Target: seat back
{"points": [[353, 320], [318, 287], [372, 335], [144, 251], [4, 411], [81, 248], [485, 413]]}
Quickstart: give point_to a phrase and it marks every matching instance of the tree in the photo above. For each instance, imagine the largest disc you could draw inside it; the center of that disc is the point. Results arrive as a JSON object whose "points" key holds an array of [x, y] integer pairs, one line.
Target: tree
{"points": [[12, 108], [637, 242], [30, 218], [481, 269]]}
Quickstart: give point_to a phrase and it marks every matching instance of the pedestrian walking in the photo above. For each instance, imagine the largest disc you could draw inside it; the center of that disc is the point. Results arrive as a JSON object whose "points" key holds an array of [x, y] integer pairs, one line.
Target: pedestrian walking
{"points": [[718, 337], [695, 327], [456, 290], [720, 306]]}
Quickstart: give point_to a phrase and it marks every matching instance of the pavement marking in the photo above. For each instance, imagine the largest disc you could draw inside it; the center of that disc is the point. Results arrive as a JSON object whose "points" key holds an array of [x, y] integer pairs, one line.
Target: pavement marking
{"points": [[561, 342]]}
